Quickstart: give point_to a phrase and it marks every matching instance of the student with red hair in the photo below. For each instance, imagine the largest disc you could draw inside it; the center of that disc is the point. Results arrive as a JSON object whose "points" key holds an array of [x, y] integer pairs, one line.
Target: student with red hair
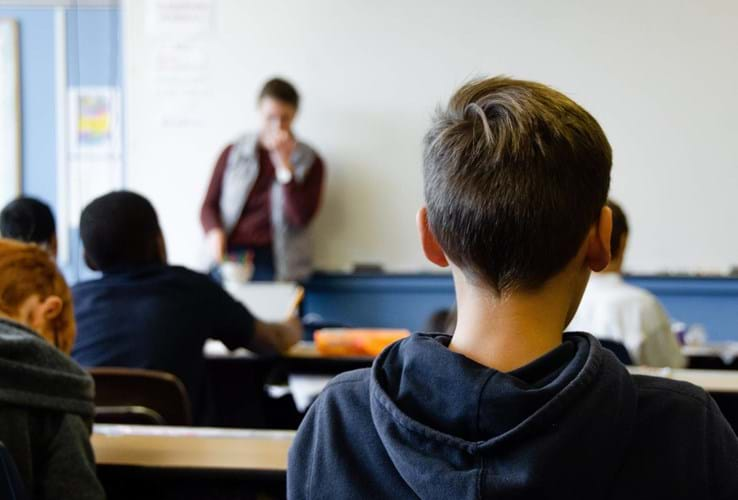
{"points": [[46, 399]]}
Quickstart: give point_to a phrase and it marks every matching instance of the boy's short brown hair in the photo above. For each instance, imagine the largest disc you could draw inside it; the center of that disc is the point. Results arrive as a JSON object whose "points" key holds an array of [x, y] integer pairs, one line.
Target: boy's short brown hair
{"points": [[515, 174]]}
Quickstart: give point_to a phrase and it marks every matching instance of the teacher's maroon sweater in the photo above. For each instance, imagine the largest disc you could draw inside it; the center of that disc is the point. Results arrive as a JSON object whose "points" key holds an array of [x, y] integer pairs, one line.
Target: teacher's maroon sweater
{"points": [[254, 228]]}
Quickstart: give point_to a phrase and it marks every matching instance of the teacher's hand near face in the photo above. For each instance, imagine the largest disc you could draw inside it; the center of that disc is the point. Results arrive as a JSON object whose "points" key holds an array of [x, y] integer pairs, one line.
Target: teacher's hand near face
{"points": [[281, 145]]}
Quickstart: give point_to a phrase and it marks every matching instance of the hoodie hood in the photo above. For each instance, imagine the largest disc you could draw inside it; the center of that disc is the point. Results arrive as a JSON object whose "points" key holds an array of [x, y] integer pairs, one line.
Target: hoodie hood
{"points": [[487, 433], [35, 374]]}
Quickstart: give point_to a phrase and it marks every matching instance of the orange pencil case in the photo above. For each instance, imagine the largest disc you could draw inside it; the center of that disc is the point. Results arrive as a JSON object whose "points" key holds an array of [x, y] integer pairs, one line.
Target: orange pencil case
{"points": [[355, 341]]}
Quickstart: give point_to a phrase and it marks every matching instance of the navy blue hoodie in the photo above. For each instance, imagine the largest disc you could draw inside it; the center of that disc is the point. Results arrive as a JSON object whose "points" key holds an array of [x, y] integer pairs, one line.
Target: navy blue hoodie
{"points": [[425, 422]]}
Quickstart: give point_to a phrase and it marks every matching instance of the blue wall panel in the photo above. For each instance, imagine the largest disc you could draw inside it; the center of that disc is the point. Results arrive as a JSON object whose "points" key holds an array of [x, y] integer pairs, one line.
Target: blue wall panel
{"points": [[93, 58], [384, 301], [711, 302], [93, 48], [407, 301], [37, 100]]}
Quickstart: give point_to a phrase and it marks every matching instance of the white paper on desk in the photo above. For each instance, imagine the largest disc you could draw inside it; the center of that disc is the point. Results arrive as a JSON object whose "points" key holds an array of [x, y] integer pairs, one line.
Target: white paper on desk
{"points": [[266, 301], [116, 430], [306, 388]]}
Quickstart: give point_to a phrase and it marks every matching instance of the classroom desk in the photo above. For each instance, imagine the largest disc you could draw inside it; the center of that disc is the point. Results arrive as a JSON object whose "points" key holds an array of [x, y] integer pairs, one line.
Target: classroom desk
{"points": [[305, 358], [237, 380], [188, 462], [302, 350], [713, 381], [302, 358], [713, 356], [237, 450], [721, 384]]}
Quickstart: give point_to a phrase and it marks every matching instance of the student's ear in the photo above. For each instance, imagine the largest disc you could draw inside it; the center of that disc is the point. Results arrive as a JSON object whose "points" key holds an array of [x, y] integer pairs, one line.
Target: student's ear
{"points": [[53, 246], [51, 307], [89, 262], [161, 248], [432, 250], [598, 245]]}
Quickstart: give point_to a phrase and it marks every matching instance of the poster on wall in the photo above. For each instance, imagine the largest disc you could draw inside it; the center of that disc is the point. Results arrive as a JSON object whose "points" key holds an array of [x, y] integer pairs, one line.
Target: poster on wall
{"points": [[95, 163], [179, 34], [188, 18], [94, 121], [10, 117]]}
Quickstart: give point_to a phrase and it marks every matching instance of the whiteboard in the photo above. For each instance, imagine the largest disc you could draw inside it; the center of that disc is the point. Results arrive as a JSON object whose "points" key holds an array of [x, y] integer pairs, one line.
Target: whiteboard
{"points": [[659, 76]]}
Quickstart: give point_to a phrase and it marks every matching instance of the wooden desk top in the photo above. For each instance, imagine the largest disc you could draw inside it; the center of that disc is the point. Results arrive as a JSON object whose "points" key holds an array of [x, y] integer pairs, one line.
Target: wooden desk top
{"points": [[248, 451], [302, 350], [726, 350], [307, 350], [709, 380]]}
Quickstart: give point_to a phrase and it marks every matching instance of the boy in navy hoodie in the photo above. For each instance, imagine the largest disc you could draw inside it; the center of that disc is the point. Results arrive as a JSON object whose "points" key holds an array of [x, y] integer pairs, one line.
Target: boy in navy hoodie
{"points": [[516, 178]]}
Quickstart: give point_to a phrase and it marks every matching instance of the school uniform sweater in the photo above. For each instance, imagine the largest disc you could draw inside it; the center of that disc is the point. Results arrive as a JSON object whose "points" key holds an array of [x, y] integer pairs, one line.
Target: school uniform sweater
{"points": [[425, 422], [613, 309]]}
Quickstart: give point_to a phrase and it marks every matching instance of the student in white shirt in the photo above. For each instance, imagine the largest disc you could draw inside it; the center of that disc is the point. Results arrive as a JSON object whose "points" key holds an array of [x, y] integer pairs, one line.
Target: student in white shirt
{"points": [[615, 310]]}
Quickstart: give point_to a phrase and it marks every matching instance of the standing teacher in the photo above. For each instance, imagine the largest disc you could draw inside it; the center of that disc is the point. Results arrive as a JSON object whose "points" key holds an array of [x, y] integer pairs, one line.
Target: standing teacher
{"points": [[264, 192]]}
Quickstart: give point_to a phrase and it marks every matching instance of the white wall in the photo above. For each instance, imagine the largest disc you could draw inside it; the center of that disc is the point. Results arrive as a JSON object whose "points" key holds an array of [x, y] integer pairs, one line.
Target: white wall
{"points": [[660, 76]]}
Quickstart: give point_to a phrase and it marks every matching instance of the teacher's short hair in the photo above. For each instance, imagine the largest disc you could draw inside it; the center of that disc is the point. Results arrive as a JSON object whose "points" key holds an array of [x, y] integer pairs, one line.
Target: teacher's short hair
{"points": [[120, 230], [281, 90]]}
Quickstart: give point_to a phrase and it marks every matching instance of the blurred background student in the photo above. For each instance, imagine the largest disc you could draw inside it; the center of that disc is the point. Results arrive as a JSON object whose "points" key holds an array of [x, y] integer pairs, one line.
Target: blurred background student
{"points": [[30, 220], [614, 310], [144, 313], [46, 399], [264, 192]]}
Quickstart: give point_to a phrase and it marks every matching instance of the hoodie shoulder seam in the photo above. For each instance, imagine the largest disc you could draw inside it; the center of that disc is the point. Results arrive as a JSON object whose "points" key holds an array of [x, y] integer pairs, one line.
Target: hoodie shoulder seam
{"points": [[353, 377], [701, 401]]}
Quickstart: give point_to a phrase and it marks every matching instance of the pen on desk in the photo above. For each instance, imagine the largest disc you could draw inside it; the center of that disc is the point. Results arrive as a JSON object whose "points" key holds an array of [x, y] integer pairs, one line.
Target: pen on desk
{"points": [[296, 301]]}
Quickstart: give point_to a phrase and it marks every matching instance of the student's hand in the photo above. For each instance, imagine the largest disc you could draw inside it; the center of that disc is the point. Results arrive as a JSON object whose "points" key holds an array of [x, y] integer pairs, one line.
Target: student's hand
{"points": [[217, 242], [292, 332], [277, 337]]}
